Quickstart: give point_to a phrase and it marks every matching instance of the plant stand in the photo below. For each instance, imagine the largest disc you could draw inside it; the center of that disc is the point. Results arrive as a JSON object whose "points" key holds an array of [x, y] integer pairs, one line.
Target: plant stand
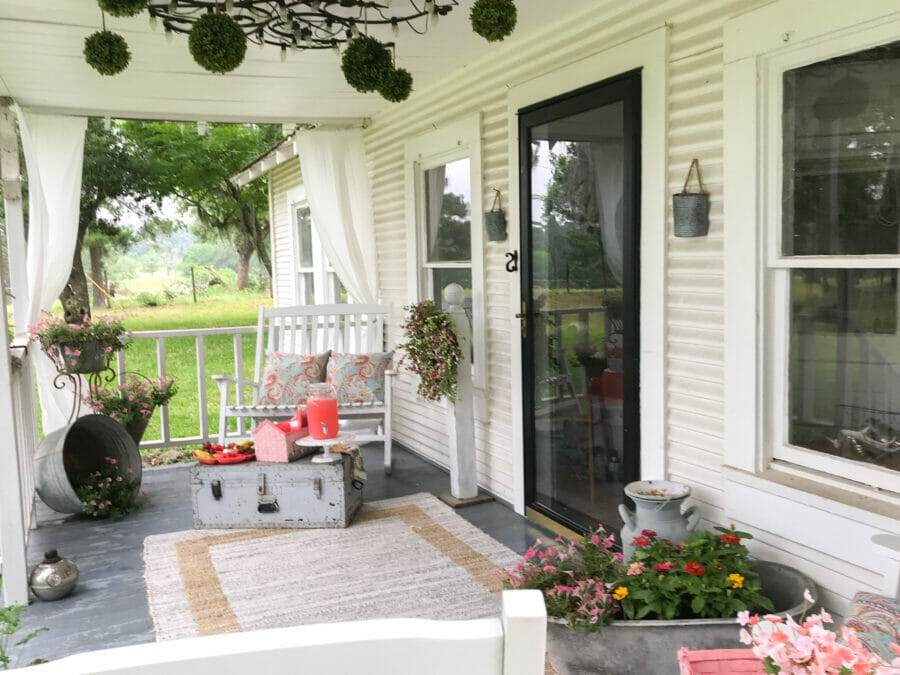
{"points": [[93, 379]]}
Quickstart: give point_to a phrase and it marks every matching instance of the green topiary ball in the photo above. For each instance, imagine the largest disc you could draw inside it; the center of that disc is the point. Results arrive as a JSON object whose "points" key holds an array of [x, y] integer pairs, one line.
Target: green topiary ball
{"points": [[123, 7], [106, 52], [493, 19], [396, 85], [366, 62], [217, 43]]}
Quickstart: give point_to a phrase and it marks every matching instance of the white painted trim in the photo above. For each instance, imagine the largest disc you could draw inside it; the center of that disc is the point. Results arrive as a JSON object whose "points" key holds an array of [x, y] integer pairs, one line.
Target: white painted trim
{"points": [[759, 46], [296, 196], [650, 53], [460, 139]]}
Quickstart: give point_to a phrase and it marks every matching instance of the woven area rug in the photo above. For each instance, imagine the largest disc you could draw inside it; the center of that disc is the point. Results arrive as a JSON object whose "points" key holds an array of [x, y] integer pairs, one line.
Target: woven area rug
{"points": [[408, 557]]}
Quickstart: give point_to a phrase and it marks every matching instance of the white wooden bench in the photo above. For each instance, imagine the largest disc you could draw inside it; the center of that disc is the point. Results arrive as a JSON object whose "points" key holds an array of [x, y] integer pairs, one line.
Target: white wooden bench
{"points": [[513, 644], [312, 329]]}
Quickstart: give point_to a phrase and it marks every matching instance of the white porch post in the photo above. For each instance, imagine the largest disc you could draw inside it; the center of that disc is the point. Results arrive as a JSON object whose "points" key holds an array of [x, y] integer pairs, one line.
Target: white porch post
{"points": [[463, 475], [12, 521]]}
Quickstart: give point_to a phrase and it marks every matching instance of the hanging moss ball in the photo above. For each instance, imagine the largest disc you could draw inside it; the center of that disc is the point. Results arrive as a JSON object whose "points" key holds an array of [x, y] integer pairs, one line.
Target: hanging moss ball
{"points": [[493, 19], [217, 43], [106, 52], [366, 62], [396, 85], [123, 7]]}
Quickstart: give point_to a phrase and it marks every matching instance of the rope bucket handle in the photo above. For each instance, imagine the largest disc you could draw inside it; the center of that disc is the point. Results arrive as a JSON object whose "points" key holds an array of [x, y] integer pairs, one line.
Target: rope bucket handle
{"points": [[695, 164], [497, 204]]}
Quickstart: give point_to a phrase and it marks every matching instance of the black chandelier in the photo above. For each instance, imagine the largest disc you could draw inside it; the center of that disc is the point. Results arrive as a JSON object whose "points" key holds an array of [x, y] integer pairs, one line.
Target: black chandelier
{"points": [[304, 24]]}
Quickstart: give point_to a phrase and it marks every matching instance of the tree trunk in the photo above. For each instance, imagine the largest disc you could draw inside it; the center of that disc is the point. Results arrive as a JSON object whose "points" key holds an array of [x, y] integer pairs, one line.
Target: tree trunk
{"points": [[244, 251], [74, 297], [96, 251]]}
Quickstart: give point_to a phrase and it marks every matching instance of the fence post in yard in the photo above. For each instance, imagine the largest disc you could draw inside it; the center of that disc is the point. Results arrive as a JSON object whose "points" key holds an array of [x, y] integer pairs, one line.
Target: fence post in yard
{"points": [[463, 478], [524, 618]]}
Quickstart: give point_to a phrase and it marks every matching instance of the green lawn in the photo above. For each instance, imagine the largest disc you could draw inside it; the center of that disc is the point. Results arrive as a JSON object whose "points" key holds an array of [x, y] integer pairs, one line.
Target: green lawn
{"points": [[225, 309]]}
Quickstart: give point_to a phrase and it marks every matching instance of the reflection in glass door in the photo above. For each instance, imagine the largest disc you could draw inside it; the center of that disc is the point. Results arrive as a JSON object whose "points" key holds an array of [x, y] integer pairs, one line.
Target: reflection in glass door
{"points": [[580, 191]]}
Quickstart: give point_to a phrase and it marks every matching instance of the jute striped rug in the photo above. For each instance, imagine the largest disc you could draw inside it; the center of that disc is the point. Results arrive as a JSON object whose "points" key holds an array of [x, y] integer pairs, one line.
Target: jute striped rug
{"points": [[407, 557]]}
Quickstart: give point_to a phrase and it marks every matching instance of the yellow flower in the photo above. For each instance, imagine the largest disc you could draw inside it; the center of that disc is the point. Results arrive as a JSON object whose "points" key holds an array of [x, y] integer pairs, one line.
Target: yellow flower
{"points": [[620, 592], [737, 579]]}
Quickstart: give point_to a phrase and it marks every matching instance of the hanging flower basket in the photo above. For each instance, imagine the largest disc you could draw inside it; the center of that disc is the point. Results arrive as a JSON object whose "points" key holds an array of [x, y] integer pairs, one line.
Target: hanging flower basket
{"points": [[433, 349], [217, 43], [88, 357], [79, 347]]}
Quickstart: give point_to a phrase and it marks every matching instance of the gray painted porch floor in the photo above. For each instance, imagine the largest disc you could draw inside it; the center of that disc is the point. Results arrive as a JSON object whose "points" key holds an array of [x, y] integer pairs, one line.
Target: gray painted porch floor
{"points": [[109, 605]]}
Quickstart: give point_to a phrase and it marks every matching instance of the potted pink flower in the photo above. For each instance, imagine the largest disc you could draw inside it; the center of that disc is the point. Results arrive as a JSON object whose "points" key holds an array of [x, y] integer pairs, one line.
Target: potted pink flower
{"points": [[84, 347], [132, 403]]}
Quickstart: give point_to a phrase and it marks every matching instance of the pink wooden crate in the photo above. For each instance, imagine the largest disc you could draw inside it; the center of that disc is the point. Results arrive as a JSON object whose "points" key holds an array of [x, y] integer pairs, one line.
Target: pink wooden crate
{"points": [[274, 442], [720, 661]]}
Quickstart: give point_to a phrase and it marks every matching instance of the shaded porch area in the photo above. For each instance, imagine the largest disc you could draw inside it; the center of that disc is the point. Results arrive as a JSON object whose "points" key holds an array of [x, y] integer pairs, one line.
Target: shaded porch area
{"points": [[109, 606]]}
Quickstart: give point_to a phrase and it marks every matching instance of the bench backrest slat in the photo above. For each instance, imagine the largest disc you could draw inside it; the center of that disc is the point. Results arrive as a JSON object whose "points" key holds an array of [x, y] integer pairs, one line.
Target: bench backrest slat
{"points": [[313, 329]]}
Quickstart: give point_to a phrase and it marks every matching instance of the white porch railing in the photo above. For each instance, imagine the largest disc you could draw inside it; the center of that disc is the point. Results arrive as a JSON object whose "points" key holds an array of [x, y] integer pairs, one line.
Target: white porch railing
{"points": [[200, 336], [25, 412]]}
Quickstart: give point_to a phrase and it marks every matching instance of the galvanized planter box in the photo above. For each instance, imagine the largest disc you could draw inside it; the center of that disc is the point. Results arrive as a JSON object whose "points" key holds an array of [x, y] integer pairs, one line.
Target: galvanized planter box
{"points": [[271, 494], [651, 647]]}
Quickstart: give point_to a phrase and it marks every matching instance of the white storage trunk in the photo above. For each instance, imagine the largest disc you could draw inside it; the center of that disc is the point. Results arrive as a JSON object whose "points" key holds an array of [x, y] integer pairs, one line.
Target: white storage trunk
{"points": [[271, 494]]}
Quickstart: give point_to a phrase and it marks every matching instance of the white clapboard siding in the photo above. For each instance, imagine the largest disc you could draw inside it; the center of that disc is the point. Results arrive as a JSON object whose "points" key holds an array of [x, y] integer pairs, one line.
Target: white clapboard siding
{"points": [[282, 178], [694, 275]]}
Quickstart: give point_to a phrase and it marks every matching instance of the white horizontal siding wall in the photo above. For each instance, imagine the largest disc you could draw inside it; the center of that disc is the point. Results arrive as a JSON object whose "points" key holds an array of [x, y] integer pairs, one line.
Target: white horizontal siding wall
{"points": [[283, 178], [694, 304]]}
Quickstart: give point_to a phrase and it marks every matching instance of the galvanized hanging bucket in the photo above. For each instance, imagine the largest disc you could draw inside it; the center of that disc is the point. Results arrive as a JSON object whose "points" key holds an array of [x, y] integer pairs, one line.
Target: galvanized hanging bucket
{"points": [[495, 220], [691, 209]]}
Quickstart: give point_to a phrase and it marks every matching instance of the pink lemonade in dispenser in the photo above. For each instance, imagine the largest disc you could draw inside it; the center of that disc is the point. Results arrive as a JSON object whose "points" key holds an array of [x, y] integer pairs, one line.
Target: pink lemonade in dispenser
{"points": [[322, 411]]}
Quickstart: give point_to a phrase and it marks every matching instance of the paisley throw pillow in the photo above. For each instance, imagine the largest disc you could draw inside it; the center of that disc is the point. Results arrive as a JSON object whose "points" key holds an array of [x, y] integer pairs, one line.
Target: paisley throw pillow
{"points": [[286, 377], [358, 378]]}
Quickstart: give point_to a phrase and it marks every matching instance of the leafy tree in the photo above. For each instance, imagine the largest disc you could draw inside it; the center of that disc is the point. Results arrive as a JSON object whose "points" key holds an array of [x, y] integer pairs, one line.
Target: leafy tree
{"points": [[113, 177], [196, 168], [454, 234]]}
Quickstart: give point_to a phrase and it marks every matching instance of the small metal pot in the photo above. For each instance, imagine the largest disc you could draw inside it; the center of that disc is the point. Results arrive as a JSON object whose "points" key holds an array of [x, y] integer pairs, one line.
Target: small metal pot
{"points": [[54, 577]]}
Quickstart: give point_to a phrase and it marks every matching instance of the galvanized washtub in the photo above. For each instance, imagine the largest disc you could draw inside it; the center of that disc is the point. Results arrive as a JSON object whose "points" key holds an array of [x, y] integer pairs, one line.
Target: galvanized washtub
{"points": [[67, 456], [651, 647]]}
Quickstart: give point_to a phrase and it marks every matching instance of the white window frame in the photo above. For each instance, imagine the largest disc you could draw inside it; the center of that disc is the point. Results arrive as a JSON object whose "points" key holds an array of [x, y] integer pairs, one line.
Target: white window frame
{"points": [[759, 47], [324, 277], [448, 143]]}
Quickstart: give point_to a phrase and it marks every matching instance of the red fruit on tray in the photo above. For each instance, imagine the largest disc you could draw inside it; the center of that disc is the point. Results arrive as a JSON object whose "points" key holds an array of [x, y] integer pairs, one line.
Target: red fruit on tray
{"points": [[207, 446], [218, 448]]}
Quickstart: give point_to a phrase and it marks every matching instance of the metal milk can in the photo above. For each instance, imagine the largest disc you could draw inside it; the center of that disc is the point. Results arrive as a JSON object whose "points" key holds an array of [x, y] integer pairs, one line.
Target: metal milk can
{"points": [[658, 508]]}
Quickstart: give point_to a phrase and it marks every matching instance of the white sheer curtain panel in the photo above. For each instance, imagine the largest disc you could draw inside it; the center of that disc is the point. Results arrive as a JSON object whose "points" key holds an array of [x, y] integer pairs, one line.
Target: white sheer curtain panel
{"points": [[607, 159], [54, 153], [333, 164], [434, 191]]}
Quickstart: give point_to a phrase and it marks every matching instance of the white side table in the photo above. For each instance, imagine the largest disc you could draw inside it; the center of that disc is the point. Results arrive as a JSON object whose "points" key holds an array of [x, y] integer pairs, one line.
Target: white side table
{"points": [[326, 457]]}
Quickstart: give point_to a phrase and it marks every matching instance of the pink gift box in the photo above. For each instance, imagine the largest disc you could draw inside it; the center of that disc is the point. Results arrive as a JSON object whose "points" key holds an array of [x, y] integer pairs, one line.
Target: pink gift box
{"points": [[719, 661], [274, 441]]}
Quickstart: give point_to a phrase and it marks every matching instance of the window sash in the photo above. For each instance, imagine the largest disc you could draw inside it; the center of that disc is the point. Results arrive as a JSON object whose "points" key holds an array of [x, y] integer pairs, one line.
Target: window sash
{"points": [[776, 294]]}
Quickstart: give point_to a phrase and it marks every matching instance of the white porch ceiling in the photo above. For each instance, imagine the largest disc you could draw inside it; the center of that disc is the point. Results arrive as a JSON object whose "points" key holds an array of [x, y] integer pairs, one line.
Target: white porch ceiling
{"points": [[42, 67]]}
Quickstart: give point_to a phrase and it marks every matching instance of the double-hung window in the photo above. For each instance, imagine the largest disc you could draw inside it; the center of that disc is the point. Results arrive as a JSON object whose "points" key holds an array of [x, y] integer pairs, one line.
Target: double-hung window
{"points": [[316, 281], [833, 265], [444, 224], [812, 240]]}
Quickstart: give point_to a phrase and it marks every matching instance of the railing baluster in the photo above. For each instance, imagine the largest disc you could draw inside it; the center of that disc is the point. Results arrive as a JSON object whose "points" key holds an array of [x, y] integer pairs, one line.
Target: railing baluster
{"points": [[238, 343], [120, 365], [161, 371], [201, 386]]}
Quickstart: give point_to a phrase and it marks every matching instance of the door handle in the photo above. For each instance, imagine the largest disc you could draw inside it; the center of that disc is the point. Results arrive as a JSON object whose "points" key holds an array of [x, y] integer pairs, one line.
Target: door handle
{"points": [[523, 318]]}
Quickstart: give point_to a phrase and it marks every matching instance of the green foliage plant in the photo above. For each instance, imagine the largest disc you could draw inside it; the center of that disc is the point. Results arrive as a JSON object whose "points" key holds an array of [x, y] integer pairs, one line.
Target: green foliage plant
{"points": [[396, 85], [123, 7], [106, 52], [133, 400], [217, 43], [708, 576], [432, 350], [148, 299], [493, 20], [10, 624], [575, 583], [109, 492], [366, 63]]}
